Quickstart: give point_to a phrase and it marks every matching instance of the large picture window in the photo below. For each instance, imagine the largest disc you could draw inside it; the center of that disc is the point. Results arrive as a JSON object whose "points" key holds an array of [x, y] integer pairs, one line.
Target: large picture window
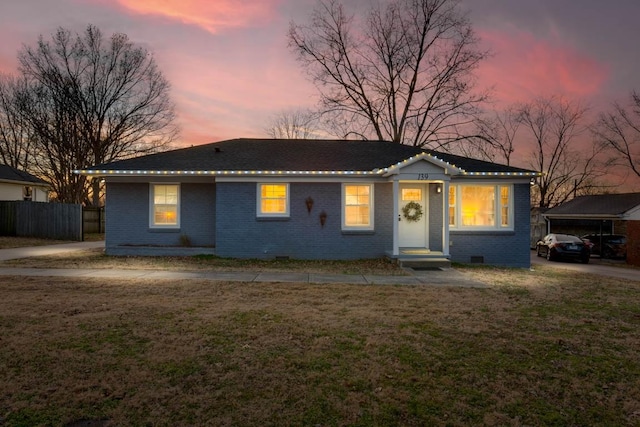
{"points": [[357, 210], [165, 205], [273, 200], [480, 207]]}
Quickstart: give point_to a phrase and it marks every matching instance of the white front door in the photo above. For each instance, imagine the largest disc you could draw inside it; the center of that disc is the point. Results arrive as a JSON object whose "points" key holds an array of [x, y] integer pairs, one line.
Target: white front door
{"points": [[412, 212]]}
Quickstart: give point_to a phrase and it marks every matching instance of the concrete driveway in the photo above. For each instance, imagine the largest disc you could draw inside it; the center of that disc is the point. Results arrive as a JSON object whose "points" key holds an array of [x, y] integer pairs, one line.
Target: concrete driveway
{"points": [[608, 268]]}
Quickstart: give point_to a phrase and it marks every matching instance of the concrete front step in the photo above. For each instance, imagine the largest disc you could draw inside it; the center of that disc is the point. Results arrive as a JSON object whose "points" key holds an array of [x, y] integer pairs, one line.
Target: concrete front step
{"points": [[431, 262]]}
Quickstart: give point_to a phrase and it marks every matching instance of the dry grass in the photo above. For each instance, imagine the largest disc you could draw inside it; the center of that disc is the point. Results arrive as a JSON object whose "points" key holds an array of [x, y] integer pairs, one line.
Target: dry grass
{"points": [[8, 242], [536, 348], [97, 259]]}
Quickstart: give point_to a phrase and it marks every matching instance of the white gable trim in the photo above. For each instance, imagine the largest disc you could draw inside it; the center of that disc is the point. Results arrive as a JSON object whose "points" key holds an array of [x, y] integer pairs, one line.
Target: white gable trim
{"points": [[448, 168]]}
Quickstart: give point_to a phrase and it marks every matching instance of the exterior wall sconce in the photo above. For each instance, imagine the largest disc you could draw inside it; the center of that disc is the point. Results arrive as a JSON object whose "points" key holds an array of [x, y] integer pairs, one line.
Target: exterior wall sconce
{"points": [[323, 218], [438, 188], [309, 202]]}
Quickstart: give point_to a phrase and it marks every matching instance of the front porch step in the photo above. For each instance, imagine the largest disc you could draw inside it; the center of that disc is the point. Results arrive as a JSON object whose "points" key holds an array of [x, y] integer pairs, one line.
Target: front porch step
{"points": [[424, 263]]}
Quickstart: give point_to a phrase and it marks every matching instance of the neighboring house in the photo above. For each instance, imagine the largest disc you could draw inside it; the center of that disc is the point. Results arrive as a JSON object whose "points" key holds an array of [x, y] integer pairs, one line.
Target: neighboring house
{"points": [[602, 213], [317, 199], [18, 185]]}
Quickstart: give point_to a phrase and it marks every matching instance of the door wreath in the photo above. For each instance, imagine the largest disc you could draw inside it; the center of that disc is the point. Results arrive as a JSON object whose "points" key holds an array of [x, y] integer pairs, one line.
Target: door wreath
{"points": [[412, 211]]}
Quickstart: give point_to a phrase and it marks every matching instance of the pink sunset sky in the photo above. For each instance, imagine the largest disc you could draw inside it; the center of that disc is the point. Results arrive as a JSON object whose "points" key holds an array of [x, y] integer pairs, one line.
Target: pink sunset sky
{"points": [[230, 67]]}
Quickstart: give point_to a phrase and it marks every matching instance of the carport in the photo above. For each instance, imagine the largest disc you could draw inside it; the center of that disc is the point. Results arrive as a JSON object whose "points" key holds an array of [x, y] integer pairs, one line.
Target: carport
{"points": [[600, 214]]}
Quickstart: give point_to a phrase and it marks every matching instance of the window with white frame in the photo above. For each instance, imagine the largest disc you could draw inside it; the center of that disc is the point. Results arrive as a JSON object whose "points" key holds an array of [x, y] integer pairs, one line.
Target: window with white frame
{"points": [[165, 205], [357, 206], [480, 207], [273, 200]]}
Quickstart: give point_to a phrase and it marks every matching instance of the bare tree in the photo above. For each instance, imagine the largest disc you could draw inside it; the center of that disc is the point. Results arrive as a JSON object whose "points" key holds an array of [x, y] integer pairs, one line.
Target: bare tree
{"points": [[495, 137], [16, 148], [293, 124], [404, 73], [554, 127], [619, 130], [92, 101]]}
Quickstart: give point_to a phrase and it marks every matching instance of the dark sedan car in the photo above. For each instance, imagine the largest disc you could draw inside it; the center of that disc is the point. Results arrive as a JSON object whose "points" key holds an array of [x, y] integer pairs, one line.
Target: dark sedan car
{"points": [[607, 245], [563, 246]]}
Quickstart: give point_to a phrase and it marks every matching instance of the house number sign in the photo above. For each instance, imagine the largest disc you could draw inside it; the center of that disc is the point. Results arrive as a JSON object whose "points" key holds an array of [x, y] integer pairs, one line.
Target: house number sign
{"points": [[423, 176]]}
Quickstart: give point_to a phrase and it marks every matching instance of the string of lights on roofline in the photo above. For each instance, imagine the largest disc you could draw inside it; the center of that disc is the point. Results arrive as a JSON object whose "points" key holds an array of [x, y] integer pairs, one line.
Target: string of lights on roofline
{"points": [[111, 172]]}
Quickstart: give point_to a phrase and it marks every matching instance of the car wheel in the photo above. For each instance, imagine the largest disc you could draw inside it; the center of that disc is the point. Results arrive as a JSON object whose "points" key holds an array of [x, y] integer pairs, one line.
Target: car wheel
{"points": [[549, 256], [606, 253]]}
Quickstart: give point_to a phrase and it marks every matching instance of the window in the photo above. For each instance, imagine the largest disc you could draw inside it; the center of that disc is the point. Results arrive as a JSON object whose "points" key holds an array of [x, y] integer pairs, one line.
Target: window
{"points": [[165, 209], [273, 199], [411, 194], [452, 206], [27, 193], [505, 212], [357, 212], [480, 207]]}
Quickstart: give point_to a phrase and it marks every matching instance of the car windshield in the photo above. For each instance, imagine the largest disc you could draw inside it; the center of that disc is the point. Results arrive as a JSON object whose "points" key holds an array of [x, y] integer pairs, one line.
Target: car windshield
{"points": [[568, 238]]}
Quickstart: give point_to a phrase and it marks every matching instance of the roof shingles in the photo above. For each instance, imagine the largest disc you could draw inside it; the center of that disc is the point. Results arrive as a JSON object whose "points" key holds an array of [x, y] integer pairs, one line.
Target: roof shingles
{"points": [[245, 154], [8, 173]]}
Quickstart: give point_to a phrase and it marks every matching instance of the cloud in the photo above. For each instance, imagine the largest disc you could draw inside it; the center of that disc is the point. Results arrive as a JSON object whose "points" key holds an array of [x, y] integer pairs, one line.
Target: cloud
{"points": [[212, 15], [525, 67]]}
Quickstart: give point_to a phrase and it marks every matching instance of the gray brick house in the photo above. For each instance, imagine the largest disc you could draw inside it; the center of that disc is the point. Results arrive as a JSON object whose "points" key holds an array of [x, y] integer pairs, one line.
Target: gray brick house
{"points": [[317, 199]]}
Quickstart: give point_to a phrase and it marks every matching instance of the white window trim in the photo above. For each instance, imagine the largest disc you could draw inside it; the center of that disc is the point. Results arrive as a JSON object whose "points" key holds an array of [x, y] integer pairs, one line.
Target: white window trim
{"points": [[261, 214], [152, 186], [497, 209], [369, 227]]}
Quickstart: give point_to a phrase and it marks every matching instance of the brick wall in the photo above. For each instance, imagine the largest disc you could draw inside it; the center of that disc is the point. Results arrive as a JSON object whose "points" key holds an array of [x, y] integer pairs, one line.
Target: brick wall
{"points": [[505, 248], [633, 242], [241, 234], [127, 216]]}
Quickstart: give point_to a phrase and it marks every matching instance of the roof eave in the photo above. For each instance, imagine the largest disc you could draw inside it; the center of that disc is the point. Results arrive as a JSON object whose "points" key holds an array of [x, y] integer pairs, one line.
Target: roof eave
{"points": [[583, 216], [155, 173]]}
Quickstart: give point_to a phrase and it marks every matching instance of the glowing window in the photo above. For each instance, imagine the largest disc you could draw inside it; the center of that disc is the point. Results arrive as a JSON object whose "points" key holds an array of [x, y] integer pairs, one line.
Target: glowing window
{"points": [[273, 200], [452, 206], [165, 205], [504, 206], [478, 205], [481, 206], [411, 194], [357, 206]]}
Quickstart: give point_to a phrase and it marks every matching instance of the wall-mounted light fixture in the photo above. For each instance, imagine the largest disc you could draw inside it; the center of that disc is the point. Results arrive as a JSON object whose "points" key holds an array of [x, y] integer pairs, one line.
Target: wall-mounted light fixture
{"points": [[323, 218], [309, 202], [438, 188]]}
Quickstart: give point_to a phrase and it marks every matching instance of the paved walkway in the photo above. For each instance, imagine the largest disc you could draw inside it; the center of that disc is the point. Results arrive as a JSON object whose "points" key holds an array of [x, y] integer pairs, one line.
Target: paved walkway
{"points": [[440, 278]]}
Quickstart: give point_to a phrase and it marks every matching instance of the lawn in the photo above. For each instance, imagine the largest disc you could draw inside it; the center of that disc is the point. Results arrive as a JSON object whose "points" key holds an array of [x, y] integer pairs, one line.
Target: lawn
{"points": [[8, 242], [546, 347]]}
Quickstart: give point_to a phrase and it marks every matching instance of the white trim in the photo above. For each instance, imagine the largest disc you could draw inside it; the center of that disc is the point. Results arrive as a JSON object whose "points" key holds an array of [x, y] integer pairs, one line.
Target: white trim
{"points": [[152, 186], [396, 217], [445, 216], [300, 179], [259, 212], [343, 209]]}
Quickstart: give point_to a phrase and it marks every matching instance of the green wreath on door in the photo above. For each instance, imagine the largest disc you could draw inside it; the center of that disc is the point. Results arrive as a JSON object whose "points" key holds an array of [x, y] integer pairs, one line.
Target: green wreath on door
{"points": [[412, 211]]}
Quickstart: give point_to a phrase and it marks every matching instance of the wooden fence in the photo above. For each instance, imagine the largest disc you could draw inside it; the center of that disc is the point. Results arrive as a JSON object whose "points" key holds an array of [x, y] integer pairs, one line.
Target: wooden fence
{"points": [[36, 219], [93, 219]]}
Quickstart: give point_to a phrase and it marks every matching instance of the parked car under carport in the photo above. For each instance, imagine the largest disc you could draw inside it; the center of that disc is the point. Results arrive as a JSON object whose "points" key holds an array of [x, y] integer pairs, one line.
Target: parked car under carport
{"points": [[563, 246]]}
